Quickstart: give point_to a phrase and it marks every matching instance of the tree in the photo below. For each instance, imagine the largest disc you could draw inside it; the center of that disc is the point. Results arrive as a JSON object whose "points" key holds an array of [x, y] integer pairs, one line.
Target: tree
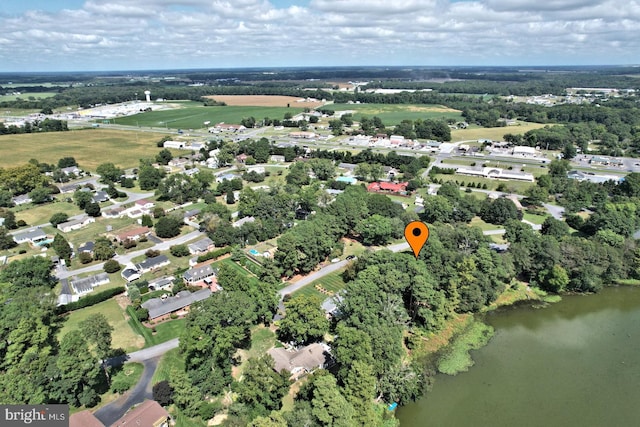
{"points": [[163, 393], [6, 240], [6, 199], [375, 230], [28, 273], [164, 157], [97, 331], [67, 162], [329, 406], [554, 227], [111, 266], [92, 209], [9, 219], [324, 169], [179, 250], [62, 247], [82, 198], [559, 168], [168, 227], [148, 176], [185, 395], [146, 221], [305, 320], [58, 218], [103, 249], [569, 151], [261, 386], [40, 195], [498, 211], [109, 173], [275, 419], [359, 389], [554, 280]]}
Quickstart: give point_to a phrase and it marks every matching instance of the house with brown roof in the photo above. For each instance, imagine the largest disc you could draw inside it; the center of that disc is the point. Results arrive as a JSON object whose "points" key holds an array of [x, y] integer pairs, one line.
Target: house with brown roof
{"points": [[399, 188], [84, 419], [147, 414], [302, 361], [133, 234]]}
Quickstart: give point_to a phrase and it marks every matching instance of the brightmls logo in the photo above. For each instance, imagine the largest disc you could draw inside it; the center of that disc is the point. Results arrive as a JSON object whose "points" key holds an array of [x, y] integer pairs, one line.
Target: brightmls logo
{"points": [[35, 415]]}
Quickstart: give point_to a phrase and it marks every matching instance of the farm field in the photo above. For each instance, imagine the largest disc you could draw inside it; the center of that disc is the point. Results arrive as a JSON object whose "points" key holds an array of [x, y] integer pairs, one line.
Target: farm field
{"points": [[331, 282], [193, 117], [393, 114], [494, 134], [90, 147], [264, 101], [27, 95], [124, 337]]}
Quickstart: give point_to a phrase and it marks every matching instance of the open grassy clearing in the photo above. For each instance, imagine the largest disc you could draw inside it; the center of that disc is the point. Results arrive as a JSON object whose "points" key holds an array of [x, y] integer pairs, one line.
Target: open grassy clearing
{"points": [[331, 282], [512, 186], [264, 101], [392, 115], [27, 96], [494, 134], [262, 339], [476, 221], [90, 147], [40, 214], [193, 117], [123, 336], [165, 331], [536, 219]]}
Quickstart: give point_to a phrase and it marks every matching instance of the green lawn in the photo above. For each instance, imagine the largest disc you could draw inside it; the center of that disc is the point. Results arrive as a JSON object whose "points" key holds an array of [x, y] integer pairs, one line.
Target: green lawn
{"points": [[165, 331], [122, 337], [262, 339], [124, 148], [484, 226], [25, 96], [494, 134], [392, 115], [331, 282], [512, 186], [171, 359], [536, 219], [193, 116], [40, 214]]}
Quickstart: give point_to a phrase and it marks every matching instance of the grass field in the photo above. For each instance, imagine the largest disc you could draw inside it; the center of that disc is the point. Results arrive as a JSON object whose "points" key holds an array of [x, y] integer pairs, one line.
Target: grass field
{"points": [[27, 96], [164, 331], [171, 359], [393, 114], [123, 336], [34, 215], [536, 219], [264, 101], [512, 186], [494, 134], [193, 117], [331, 282], [90, 147], [484, 226]]}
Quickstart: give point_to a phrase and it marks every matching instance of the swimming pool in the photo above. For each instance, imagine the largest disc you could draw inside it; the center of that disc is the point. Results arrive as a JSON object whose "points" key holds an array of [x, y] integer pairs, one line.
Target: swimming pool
{"points": [[44, 242], [254, 252]]}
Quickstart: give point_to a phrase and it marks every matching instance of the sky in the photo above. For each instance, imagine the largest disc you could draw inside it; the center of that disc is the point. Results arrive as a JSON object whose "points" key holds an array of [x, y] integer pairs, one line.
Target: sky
{"points": [[98, 35]]}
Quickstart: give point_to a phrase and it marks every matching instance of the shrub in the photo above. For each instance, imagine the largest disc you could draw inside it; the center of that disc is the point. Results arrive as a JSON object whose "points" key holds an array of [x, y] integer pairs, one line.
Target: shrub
{"points": [[85, 257], [208, 410], [90, 300], [58, 218], [142, 314], [22, 251], [214, 254], [163, 393], [173, 316], [151, 253], [179, 250], [129, 243], [21, 223], [112, 266]]}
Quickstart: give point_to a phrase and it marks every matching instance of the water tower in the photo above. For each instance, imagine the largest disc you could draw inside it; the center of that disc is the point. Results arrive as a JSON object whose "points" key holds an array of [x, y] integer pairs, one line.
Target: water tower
{"points": [[148, 95]]}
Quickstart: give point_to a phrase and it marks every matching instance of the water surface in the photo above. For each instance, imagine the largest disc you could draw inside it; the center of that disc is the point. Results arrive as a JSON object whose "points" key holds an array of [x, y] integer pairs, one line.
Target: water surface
{"points": [[574, 363]]}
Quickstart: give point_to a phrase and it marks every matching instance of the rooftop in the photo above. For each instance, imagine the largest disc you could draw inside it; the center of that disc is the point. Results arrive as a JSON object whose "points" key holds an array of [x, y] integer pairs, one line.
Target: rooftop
{"points": [[159, 307]]}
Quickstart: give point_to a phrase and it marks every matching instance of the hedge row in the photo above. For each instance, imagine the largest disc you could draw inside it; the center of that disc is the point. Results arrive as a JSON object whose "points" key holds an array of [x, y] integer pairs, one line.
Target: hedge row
{"points": [[90, 300], [214, 254]]}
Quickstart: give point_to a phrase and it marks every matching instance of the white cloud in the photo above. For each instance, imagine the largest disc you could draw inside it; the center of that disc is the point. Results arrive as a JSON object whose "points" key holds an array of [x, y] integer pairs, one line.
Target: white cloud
{"points": [[217, 33]]}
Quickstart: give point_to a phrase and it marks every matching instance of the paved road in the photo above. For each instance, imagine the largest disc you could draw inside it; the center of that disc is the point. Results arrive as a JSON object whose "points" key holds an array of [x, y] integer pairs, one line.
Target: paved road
{"points": [[556, 211], [110, 413]]}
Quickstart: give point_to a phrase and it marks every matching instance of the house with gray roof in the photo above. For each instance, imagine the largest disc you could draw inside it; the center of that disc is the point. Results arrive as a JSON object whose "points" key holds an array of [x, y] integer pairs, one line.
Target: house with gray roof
{"points": [[159, 307], [86, 284], [196, 274], [163, 283], [75, 224], [21, 200], [151, 264], [130, 274], [32, 236], [243, 221], [201, 246], [100, 197]]}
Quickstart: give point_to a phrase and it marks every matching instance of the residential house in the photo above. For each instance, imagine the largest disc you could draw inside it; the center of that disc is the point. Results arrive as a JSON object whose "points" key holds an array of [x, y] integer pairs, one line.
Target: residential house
{"points": [[163, 306], [177, 145], [86, 285], [71, 170], [153, 263], [86, 247], [302, 361], [84, 419], [140, 207], [226, 176], [191, 216], [277, 158], [163, 283], [179, 162], [239, 223], [351, 167], [497, 173], [130, 274], [198, 274], [256, 169], [100, 197], [69, 188], [399, 188], [147, 414], [302, 135], [201, 246], [242, 158], [191, 172], [144, 204], [23, 199], [75, 224], [113, 213], [133, 234], [33, 236]]}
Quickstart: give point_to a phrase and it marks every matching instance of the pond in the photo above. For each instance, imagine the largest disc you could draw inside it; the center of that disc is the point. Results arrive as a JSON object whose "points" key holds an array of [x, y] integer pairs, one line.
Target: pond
{"points": [[573, 363]]}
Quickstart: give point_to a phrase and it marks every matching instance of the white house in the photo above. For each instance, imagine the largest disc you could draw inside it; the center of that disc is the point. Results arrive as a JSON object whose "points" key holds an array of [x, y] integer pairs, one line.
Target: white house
{"points": [[76, 224], [33, 236]]}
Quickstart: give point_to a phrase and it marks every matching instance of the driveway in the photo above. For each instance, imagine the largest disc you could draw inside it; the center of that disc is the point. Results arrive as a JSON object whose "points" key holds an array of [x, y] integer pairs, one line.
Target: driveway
{"points": [[556, 211], [111, 412]]}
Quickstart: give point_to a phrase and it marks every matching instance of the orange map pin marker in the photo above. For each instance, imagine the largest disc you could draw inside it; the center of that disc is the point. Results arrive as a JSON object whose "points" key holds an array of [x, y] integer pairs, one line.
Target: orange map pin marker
{"points": [[416, 233]]}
